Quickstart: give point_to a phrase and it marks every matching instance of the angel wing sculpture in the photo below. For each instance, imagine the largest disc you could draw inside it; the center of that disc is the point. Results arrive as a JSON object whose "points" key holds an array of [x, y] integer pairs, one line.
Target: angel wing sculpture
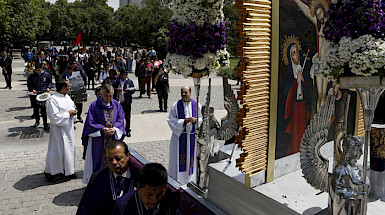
{"points": [[212, 135], [228, 124], [314, 165], [345, 186]]}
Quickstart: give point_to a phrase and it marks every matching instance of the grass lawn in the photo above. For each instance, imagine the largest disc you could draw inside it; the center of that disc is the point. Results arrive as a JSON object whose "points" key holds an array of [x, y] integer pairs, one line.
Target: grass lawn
{"points": [[234, 62]]}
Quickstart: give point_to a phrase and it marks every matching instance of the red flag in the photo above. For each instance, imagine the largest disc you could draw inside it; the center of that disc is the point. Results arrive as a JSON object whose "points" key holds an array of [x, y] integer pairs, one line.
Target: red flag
{"points": [[78, 40], [104, 48]]}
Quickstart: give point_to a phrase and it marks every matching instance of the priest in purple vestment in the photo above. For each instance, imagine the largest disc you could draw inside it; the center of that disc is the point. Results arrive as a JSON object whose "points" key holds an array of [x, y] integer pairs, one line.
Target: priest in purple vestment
{"points": [[182, 120], [104, 124]]}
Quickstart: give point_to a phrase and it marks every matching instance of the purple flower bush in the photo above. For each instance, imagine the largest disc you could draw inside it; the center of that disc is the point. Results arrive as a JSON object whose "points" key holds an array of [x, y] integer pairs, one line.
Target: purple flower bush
{"points": [[355, 18], [193, 40]]}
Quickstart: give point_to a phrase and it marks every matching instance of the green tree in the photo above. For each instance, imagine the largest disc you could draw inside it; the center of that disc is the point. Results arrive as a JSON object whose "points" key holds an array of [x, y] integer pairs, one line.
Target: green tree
{"points": [[92, 18], [61, 21], [23, 20], [146, 26], [232, 15], [5, 22]]}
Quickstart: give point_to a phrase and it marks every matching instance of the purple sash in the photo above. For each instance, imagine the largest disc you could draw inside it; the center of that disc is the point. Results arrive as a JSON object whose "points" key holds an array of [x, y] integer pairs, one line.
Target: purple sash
{"points": [[183, 139]]}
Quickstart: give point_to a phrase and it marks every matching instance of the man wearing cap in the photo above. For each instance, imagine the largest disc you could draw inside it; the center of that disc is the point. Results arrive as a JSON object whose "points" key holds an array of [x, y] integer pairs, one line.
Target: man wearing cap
{"points": [[39, 82]]}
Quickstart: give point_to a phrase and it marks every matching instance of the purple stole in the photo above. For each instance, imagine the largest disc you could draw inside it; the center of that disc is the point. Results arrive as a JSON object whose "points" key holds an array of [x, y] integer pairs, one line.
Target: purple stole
{"points": [[183, 139]]}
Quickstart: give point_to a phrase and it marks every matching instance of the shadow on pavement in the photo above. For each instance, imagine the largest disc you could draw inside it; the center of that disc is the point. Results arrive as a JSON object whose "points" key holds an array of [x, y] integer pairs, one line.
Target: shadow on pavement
{"points": [[20, 97], [15, 131], [31, 182], [69, 198], [16, 109], [23, 118], [149, 111]]}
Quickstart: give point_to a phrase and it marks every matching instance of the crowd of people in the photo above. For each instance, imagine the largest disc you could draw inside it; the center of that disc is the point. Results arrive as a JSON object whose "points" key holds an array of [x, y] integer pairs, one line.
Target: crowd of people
{"points": [[97, 65], [111, 189]]}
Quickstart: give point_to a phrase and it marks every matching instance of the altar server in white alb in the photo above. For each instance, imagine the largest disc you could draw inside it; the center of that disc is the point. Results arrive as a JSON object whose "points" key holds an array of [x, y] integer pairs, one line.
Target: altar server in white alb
{"points": [[60, 160], [182, 120]]}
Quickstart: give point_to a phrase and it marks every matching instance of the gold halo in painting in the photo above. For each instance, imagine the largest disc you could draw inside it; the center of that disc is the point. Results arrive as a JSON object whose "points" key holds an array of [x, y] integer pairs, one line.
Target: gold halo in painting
{"points": [[314, 4], [286, 43]]}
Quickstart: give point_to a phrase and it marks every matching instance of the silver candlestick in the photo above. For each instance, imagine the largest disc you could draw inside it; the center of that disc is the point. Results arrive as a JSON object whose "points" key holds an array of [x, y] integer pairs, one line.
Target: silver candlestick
{"points": [[369, 98]]}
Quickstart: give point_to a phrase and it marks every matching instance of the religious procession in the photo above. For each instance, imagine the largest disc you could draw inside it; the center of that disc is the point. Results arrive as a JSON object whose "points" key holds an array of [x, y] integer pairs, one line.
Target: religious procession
{"points": [[206, 107]]}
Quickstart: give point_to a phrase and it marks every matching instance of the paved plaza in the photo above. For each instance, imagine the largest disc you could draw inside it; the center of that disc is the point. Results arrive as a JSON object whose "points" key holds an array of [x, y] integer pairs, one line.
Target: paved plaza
{"points": [[23, 187]]}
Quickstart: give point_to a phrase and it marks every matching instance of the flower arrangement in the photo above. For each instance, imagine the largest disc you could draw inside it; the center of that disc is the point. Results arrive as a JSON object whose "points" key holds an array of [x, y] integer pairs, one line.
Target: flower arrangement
{"points": [[197, 37], [354, 30]]}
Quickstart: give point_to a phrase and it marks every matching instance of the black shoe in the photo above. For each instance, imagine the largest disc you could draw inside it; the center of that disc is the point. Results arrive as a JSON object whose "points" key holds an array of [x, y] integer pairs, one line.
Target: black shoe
{"points": [[128, 134], [33, 116], [47, 175], [10, 87], [161, 110], [55, 178], [46, 127], [165, 110], [36, 125], [72, 176], [80, 120]]}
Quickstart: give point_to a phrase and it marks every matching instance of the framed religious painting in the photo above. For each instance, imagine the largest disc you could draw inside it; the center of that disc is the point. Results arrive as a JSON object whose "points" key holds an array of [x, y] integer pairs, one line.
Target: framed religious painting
{"points": [[302, 89]]}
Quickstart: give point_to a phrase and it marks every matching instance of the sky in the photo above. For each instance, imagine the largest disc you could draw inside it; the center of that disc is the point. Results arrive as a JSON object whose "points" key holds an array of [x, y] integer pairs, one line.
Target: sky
{"points": [[112, 3]]}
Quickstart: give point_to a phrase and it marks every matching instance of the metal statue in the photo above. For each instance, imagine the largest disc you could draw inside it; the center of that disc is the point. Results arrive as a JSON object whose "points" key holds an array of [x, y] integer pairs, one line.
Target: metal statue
{"points": [[228, 124], [314, 165], [212, 135], [346, 188]]}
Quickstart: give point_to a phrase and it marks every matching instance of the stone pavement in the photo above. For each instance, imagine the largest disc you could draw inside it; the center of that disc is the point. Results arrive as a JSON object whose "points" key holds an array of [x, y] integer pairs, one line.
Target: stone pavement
{"points": [[23, 188]]}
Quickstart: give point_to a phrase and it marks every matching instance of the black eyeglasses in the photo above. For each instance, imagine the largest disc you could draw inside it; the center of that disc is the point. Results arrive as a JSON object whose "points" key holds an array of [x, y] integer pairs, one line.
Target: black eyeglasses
{"points": [[44, 63]]}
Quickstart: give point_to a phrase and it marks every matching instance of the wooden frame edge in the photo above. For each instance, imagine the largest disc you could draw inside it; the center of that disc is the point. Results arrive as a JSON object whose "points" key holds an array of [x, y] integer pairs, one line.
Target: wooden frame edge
{"points": [[274, 69]]}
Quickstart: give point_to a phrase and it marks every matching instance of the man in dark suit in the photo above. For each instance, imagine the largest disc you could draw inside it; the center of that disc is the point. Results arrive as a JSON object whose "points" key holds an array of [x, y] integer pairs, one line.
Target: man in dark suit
{"points": [[40, 58], [6, 65], [109, 183], [123, 90], [151, 196]]}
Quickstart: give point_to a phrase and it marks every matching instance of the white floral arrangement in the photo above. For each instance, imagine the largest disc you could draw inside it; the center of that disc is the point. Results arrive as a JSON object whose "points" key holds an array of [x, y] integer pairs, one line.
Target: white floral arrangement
{"points": [[198, 11], [363, 56], [192, 46]]}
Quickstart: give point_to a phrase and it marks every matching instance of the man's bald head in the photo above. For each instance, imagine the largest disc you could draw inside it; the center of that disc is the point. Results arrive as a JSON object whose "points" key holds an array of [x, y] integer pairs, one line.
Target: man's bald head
{"points": [[185, 93]]}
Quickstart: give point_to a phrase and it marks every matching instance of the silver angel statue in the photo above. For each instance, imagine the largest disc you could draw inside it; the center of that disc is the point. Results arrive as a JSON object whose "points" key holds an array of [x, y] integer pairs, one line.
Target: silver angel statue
{"points": [[347, 188], [213, 135], [345, 185]]}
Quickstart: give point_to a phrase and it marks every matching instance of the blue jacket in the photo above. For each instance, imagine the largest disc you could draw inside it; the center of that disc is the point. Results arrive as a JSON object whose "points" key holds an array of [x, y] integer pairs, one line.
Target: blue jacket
{"points": [[40, 83]]}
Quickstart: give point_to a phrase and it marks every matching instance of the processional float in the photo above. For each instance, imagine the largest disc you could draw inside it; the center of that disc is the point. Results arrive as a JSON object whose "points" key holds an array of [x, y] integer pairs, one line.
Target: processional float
{"points": [[277, 132]]}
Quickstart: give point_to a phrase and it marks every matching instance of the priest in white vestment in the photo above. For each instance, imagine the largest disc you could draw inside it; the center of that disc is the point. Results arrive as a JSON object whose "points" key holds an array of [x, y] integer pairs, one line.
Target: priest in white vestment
{"points": [[182, 121], [61, 111]]}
